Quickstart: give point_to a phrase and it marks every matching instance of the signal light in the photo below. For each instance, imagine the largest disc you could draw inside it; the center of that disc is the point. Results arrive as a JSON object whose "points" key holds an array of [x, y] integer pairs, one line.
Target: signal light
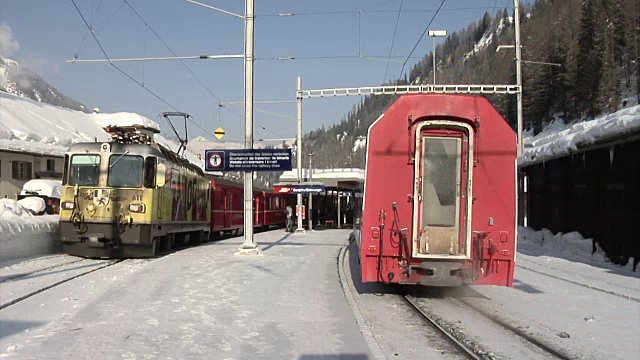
{"points": [[138, 208]]}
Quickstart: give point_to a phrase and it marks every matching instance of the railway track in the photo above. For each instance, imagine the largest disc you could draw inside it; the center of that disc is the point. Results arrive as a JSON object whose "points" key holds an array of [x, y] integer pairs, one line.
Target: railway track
{"points": [[471, 348], [18, 288], [15, 277], [465, 350]]}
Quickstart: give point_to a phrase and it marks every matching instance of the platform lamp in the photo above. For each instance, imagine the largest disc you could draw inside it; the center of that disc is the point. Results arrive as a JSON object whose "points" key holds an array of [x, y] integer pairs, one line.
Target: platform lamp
{"points": [[310, 212], [434, 34]]}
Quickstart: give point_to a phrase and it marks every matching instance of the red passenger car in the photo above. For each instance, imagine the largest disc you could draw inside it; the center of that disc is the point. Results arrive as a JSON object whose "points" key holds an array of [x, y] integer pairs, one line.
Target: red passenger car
{"points": [[439, 205], [227, 208]]}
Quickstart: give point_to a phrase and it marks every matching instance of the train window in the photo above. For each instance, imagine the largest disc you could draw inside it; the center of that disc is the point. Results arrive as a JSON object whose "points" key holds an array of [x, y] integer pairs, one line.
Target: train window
{"points": [[441, 166], [150, 172], [85, 170], [125, 171]]}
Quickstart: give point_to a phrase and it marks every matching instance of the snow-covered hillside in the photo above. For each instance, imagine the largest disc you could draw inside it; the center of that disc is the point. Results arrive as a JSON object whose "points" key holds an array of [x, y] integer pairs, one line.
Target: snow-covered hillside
{"points": [[29, 126], [20, 81]]}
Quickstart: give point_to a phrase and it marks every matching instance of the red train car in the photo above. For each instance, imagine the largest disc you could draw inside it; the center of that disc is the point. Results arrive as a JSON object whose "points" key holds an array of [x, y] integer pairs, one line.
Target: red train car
{"points": [[439, 205], [227, 208], [274, 206]]}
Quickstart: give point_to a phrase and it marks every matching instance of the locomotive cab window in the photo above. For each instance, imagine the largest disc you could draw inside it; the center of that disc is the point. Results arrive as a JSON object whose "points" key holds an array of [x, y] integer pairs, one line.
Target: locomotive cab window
{"points": [[150, 172], [85, 170], [125, 171]]}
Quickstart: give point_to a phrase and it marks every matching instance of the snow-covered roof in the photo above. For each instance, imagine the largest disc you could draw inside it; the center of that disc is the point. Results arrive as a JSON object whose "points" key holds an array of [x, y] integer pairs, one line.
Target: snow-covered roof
{"points": [[329, 177], [43, 187], [34, 127], [124, 119], [557, 141]]}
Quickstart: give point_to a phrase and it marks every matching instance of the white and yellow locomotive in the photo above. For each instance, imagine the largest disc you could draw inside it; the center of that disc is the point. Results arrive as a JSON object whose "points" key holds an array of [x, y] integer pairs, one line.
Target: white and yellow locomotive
{"points": [[131, 197]]}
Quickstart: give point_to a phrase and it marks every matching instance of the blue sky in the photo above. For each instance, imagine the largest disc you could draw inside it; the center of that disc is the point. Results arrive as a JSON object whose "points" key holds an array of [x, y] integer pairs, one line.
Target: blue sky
{"points": [[51, 31]]}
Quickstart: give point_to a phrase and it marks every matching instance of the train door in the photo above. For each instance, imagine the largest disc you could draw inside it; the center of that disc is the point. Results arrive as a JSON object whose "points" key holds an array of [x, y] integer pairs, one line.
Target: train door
{"points": [[257, 210], [226, 209], [442, 187]]}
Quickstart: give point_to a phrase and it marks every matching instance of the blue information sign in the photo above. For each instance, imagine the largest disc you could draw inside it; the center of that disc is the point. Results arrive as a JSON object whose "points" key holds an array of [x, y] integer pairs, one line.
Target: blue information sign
{"points": [[248, 160], [306, 189]]}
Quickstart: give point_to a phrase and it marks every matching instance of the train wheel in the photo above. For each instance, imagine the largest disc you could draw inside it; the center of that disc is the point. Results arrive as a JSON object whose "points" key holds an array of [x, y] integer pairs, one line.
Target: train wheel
{"points": [[196, 237], [156, 246], [166, 243]]}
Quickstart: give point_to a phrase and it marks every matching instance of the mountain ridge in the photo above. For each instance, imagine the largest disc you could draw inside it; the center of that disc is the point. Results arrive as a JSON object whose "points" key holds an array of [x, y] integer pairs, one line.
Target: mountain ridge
{"points": [[23, 82]]}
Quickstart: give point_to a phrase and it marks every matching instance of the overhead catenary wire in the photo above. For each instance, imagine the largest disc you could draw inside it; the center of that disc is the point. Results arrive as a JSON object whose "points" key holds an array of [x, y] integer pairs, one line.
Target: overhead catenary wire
{"points": [[112, 64], [270, 113], [393, 41], [332, 57], [185, 65], [421, 36], [344, 12], [141, 84], [82, 43], [123, 72], [171, 50]]}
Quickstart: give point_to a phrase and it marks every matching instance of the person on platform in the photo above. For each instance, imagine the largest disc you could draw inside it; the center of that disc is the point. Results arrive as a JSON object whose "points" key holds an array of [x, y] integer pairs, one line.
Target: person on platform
{"points": [[289, 227]]}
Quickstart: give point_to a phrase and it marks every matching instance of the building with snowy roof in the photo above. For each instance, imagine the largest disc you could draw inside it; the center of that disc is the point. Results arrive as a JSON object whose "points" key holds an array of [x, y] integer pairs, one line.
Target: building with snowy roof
{"points": [[34, 137], [584, 177]]}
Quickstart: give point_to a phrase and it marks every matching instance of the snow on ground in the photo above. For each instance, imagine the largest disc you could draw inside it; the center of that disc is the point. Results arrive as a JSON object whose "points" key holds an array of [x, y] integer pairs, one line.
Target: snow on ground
{"points": [[570, 247], [559, 140], [560, 287], [287, 304]]}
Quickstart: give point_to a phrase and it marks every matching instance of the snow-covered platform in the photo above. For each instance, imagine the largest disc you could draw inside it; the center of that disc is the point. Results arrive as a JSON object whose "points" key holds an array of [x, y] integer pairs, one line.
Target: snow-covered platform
{"points": [[199, 303]]}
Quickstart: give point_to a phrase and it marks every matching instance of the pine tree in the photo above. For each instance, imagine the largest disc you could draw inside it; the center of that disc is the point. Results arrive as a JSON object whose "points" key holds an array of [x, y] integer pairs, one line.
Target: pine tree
{"points": [[609, 92], [589, 61]]}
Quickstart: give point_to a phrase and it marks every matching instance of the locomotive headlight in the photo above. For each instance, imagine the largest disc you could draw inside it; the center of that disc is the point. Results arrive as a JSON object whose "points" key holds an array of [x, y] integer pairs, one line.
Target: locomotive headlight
{"points": [[138, 208], [67, 205]]}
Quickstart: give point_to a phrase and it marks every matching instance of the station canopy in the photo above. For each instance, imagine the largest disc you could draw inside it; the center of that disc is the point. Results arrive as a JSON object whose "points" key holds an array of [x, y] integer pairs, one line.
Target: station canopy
{"points": [[347, 178]]}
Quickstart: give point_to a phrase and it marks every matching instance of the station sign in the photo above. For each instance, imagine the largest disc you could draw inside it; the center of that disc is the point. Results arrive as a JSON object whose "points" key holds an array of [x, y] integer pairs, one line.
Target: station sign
{"points": [[299, 189], [308, 189], [283, 189], [248, 160]]}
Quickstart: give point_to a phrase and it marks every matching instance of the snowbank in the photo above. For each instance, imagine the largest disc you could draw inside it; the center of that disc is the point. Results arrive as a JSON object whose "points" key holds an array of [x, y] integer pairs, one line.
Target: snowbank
{"points": [[23, 235], [43, 187], [571, 246], [558, 140], [33, 203]]}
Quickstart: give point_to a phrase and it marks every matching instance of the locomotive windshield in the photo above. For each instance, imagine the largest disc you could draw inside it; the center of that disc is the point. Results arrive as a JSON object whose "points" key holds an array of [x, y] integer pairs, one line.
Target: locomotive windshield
{"points": [[125, 171], [84, 170]]}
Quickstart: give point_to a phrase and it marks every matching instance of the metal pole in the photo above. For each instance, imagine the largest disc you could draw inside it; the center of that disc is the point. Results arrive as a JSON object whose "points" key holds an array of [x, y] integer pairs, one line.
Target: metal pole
{"points": [[339, 216], [516, 8], [433, 46], [310, 211], [299, 155], [249, 246]]}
